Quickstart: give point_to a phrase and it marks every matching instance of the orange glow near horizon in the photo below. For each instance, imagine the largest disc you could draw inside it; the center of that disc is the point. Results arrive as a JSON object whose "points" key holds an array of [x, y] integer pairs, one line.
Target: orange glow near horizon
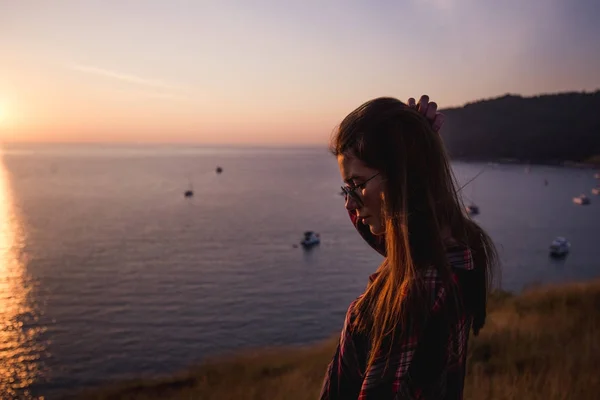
{"points": [[3, 112], [234, 73]]}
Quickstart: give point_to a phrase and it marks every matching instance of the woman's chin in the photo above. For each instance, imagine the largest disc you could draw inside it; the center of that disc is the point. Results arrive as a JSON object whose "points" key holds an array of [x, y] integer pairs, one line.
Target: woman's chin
{"points": [[376, 230]]}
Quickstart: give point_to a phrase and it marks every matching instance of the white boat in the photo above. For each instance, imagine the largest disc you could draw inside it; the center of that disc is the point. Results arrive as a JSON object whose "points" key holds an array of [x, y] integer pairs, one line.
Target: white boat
{"points": [[596, 190], [560, 247], [472, 209], [310, 239], [581, 200]]}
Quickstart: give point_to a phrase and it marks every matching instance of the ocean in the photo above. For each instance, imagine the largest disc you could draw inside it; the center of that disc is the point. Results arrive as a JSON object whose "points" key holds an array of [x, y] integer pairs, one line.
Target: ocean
{"points": [[107, 272]]}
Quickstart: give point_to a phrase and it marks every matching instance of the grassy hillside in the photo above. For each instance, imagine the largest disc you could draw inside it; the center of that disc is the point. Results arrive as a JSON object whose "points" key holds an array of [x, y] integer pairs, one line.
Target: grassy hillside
{"points": [[541, 344]]}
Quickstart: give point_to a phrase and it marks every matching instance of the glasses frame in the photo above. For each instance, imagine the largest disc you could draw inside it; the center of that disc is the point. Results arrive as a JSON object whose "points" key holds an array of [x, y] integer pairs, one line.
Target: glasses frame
{"points": [[351, 190]]}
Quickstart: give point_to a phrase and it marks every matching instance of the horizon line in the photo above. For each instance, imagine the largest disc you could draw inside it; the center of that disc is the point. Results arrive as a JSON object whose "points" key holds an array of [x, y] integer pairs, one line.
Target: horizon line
{"points": [[156, 144]]}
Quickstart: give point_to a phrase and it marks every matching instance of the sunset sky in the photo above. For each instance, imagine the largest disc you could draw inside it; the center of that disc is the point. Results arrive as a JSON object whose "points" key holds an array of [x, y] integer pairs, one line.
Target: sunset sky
{"points": [[272, 72]]}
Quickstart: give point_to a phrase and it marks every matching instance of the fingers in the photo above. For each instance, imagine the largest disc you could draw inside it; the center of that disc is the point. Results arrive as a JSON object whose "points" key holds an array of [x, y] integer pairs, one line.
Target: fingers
{"points": [[423, 104], [437, 122], [431, 110]]}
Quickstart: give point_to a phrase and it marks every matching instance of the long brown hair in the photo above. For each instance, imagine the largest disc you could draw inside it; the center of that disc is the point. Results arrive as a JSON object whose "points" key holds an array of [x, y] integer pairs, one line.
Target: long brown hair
{"points": [[419, 200]]}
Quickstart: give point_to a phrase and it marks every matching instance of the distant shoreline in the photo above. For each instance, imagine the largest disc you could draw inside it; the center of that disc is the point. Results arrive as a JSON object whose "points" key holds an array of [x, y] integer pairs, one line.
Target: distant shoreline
{"points": [[509, 161]]}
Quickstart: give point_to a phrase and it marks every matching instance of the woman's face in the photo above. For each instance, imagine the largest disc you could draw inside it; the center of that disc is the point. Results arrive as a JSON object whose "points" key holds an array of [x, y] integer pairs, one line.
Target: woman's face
{"points": [[364, 192]]}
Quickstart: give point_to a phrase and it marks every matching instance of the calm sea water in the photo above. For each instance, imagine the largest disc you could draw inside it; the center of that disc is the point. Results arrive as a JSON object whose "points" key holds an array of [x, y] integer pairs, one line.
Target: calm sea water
{"points": [[107, 272]]}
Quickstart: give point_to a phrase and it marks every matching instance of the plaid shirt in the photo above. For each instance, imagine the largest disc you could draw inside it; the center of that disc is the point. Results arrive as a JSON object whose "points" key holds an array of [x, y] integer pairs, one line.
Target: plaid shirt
{"points": [[428, 364]]}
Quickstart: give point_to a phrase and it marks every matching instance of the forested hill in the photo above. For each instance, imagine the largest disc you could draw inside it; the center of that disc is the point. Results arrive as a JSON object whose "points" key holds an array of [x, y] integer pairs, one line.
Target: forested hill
{"points": [[547, 128]]}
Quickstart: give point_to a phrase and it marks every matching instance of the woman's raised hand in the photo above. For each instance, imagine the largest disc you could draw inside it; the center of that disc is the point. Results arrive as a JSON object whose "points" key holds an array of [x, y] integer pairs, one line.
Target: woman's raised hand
{"points": [[429, 110]]}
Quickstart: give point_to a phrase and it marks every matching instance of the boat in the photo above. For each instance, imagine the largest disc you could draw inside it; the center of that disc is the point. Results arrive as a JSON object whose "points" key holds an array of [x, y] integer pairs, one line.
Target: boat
{"points": [[310, 239], [219, 170], [560, 247], [596, 190], [190, 192], [581, 200], [472, 209]]}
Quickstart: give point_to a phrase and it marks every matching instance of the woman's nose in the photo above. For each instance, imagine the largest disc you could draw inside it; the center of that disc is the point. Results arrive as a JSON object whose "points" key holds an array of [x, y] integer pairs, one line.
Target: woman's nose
{"points": [[350, 204]]}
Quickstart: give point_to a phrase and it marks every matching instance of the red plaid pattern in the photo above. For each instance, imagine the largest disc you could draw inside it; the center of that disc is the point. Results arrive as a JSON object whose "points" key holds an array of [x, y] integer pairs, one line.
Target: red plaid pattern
{"points": [[428, 364]]}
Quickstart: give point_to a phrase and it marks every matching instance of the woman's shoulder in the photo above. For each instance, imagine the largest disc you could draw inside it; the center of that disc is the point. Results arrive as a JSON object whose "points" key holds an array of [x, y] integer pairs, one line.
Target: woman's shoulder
{"points": [[436, 285], [352, 311]]}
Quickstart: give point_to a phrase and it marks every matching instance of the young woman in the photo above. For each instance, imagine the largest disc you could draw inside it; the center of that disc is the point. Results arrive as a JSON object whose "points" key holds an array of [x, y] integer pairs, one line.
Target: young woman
{"points": [[406, 336]]}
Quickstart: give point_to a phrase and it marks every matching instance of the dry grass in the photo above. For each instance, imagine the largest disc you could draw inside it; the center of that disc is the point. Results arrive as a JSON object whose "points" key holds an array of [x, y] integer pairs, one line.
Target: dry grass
{"points": [[541, 344]]}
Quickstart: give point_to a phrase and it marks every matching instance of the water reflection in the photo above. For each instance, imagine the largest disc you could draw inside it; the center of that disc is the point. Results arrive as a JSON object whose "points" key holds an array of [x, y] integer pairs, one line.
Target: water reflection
{"points": [[20, 349]]}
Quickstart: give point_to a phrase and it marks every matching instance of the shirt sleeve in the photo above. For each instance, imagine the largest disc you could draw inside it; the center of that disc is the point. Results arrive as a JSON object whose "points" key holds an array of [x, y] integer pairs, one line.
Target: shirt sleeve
{"points": [[344, 376], [407, 385]]}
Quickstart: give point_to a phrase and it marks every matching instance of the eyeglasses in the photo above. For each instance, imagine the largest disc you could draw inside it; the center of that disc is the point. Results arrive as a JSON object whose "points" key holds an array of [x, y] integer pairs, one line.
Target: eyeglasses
{"points": [[352, 190]]}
